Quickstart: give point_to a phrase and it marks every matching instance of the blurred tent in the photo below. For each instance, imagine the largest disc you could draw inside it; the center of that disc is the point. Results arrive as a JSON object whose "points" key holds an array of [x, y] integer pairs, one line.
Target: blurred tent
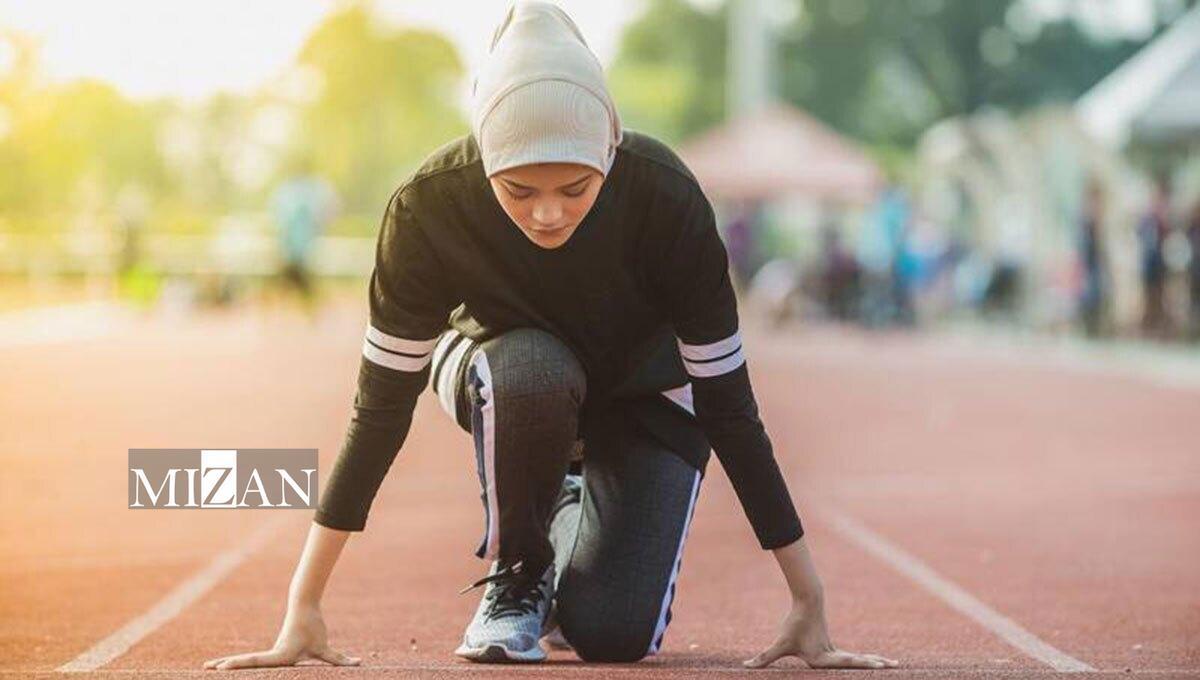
{"points": [[1154, 97], [778, 152]]}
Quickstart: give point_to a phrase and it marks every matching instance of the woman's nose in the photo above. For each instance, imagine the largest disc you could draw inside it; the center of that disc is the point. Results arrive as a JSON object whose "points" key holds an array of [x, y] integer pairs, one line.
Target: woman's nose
{"points": [[547, 213]]}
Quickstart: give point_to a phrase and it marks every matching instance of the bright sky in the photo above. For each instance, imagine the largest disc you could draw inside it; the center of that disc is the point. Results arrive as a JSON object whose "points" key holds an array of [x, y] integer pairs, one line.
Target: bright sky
{"points": [[192, 49]]}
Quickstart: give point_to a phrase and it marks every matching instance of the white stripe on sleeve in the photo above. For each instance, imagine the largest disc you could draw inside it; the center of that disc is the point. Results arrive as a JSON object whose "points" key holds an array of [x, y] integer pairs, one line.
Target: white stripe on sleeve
{"points": [[713, 359], [402, 345], [398, 354], [712, 350]]}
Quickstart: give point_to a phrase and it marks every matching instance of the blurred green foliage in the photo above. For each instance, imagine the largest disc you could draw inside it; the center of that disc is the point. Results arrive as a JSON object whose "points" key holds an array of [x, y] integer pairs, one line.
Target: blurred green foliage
{"points": [[67, 145], [364, 103], [387, 99], [668, 77], [881, 71]]}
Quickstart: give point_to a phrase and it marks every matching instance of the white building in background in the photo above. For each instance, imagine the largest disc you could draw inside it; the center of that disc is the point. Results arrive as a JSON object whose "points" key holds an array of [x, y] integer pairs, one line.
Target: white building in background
{"points": [[1154, 97]]}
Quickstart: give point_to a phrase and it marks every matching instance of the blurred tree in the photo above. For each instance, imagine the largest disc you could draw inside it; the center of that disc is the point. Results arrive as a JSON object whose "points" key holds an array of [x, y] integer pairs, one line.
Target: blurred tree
{"points": [[17, 56], [669, 74], [218, 132], [384, 99], [880, 71], [376, 100], [86, 127], [53, 139], [886, 71]]}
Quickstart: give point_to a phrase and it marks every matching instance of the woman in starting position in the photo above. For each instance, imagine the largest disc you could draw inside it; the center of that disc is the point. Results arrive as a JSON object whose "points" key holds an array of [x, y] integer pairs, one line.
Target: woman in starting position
{"points": [[560, 283]]}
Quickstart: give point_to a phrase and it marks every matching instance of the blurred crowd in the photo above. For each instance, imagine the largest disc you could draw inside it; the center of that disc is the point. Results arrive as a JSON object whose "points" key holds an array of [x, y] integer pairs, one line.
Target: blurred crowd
{"points": [[887, 267]]}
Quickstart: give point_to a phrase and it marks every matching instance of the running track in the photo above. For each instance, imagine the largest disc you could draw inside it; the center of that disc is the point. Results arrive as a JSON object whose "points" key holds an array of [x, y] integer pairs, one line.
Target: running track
{"points": [[973, 513]]}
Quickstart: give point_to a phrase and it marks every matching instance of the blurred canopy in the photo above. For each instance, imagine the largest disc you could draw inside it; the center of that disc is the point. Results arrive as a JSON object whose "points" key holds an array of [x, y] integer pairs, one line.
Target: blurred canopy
{"points": [[755, 157]]}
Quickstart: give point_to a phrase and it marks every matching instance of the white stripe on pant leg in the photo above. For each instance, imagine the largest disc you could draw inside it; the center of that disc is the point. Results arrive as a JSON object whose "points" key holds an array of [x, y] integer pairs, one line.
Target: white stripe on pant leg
{"points": [[446, 387], [661, 626], [488, 410], [448, 374], [439, 351]]}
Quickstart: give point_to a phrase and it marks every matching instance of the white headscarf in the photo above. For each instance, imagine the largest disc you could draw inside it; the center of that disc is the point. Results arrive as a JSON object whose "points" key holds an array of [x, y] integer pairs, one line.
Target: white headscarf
{"points": [[541, 96]]}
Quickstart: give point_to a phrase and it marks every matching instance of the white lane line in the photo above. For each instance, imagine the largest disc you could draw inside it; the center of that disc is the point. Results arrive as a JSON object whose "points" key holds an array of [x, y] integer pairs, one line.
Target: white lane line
{"points": [[960, 600], [173, 603]]}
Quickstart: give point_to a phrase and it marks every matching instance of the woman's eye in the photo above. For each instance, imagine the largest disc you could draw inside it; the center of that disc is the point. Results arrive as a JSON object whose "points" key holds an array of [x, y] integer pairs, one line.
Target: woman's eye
{"points": [[576, 193], [520, 196]]}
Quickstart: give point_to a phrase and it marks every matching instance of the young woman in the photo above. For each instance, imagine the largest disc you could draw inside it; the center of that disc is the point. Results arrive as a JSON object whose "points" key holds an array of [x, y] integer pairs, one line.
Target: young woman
{"points": [[560, 284]]}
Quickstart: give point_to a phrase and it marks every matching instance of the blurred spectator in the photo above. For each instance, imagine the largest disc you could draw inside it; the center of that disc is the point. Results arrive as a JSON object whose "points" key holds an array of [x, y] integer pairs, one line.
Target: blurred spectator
{"points": [[137, 283], [886, 262], [303, 206], [1193, 237], [1093, 298], [740, 242], [1152, 231], [1002, 293], [131, 212], [776, 290], [839, 274]]}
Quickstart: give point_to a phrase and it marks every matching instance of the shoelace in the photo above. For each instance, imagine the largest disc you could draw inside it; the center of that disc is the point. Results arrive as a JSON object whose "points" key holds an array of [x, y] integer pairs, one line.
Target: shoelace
{"points": [[514, 592]]}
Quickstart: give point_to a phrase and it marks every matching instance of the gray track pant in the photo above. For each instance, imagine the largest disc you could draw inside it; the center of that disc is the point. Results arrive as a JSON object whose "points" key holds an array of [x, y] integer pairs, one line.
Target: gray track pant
{"points": [[618, 549]]}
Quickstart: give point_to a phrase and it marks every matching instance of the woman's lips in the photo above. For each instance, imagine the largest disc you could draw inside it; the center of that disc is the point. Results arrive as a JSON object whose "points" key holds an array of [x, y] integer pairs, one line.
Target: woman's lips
{"points": [[549, 233]]}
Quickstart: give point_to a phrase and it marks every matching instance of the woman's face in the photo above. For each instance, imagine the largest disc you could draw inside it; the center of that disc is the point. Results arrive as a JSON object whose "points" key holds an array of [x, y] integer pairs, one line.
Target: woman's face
{"points": [[547, 201]]}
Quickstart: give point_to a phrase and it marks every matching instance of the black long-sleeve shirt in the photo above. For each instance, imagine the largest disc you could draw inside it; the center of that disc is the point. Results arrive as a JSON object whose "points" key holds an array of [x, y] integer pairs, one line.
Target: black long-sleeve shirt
{"points": [[640, 292]]}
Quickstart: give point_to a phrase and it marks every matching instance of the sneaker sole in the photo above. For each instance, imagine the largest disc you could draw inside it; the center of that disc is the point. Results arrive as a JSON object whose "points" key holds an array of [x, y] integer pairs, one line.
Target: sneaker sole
{"points": [[500, 654]]}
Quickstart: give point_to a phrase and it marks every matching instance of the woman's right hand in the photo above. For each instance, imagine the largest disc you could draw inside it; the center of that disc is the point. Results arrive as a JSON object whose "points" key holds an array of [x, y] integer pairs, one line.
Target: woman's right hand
{"points": [[301, 637]]}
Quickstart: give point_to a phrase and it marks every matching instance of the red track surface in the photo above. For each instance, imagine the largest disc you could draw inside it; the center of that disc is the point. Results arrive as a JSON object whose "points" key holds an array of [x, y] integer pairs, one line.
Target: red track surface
{"points": [[1068, 502]]}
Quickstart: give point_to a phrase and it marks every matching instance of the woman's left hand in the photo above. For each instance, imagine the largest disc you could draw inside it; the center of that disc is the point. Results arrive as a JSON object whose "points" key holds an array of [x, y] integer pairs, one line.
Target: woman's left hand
{"points": [[805, 635]]}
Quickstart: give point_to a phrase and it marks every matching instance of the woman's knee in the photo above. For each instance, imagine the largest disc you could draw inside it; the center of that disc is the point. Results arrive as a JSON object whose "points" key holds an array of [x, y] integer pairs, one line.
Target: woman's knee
{"points": [[599, 638], [528, 363], [609, 644]]}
